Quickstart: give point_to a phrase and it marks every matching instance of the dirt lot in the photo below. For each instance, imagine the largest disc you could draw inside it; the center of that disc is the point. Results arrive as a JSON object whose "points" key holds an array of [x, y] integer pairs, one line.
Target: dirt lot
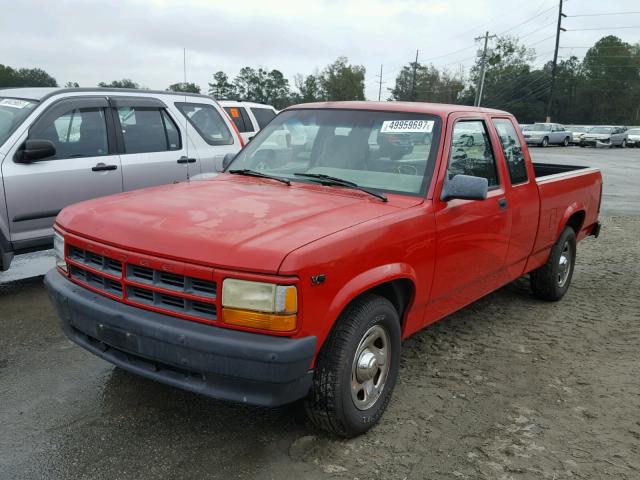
{"points": [[508, 388]]}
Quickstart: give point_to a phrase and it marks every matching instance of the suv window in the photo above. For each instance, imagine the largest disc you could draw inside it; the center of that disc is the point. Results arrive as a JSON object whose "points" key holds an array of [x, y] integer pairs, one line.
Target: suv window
{"points": [[471, 152], [240, 117], [148, 130], [208, 122], [76, 133], [512, 150], [263, 115]]}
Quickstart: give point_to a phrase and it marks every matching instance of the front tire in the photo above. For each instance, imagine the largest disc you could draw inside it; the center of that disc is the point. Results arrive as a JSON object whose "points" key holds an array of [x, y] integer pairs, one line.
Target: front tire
{"points": [[545, 142], [357, 368], [551, 281]]}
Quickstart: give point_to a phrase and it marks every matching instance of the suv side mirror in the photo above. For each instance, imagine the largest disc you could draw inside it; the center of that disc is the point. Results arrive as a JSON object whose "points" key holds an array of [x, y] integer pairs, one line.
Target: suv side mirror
{"points": [[465, 187], [226, 161], [34, 150]]}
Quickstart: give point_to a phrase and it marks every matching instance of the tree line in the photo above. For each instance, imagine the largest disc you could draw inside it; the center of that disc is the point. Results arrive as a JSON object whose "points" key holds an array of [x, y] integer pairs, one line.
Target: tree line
{"points": [[602, 87]]}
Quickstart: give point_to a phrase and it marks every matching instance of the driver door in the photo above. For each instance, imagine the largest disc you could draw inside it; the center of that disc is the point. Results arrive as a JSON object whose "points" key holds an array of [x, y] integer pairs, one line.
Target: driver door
{"points": [[472, 236]]}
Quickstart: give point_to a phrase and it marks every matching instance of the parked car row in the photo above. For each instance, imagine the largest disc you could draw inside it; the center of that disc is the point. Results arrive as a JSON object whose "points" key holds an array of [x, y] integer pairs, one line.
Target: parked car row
{"points": [[544, 134]]}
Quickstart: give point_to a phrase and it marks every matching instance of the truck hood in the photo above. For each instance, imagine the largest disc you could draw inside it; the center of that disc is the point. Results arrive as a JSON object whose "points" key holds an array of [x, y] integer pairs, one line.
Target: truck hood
{"points": [[229, 222]]}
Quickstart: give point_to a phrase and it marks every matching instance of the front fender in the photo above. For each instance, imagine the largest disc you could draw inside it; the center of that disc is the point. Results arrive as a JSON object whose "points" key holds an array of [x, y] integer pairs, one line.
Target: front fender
{"points": [[363, 282]]}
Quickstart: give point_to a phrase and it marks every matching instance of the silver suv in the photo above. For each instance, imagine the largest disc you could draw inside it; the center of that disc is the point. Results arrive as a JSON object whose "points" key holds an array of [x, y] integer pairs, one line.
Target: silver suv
{"points": [[62, 146]]}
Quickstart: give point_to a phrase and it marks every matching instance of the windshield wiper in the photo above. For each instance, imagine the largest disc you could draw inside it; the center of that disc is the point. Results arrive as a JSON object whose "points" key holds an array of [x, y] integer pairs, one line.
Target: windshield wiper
{"points": [[329, 180], [254, 173]]}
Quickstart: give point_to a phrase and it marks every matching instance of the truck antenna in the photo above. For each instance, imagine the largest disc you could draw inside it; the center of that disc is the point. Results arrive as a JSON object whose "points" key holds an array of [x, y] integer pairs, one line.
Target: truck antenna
{"points": [[186, 118]]}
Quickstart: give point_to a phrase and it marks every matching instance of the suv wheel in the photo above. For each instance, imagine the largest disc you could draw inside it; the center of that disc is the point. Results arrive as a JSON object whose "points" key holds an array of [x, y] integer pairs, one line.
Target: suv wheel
{"points": [[357, 368]]}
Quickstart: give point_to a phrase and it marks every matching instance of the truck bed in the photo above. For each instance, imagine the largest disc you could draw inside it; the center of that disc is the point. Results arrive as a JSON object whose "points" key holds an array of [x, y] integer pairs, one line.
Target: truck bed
{"points": [[546, 169]]}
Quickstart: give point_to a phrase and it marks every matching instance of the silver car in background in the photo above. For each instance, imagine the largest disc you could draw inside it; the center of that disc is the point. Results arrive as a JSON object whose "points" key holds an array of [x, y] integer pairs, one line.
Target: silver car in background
{"points": [[633, 137], [577, 131], [605, 136], [544, 134], [62, 146]]}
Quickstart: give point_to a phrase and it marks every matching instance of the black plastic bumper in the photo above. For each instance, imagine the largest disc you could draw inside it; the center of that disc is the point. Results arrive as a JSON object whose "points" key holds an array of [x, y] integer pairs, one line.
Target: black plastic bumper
{"points": [[220, 363]]}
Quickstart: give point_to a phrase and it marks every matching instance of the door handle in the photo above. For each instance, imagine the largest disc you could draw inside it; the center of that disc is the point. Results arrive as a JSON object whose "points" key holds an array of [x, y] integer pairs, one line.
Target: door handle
{"points": [[101, 167], [186, 160], [503, 203]]}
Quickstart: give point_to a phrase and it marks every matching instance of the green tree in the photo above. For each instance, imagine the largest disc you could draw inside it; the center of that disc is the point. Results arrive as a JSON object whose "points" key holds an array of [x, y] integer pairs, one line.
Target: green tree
{"points": [[341, 81], [276, 90], [124, 83], [262, 86], [25, 77], [184, 87], [309, 89], [221, 88], [72, 85], [431, 85]]}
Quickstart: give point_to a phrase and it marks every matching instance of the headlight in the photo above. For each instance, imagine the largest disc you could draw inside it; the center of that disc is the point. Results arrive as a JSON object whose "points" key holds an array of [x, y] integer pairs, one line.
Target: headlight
{"points": [[58, 248], [266, 306]]}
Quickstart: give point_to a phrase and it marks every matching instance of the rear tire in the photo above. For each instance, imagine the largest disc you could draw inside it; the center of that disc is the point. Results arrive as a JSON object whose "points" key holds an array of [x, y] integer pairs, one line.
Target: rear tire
{"points": [[623, 144], [545, 142], [565, 143], [357, 368], [551, 281]]}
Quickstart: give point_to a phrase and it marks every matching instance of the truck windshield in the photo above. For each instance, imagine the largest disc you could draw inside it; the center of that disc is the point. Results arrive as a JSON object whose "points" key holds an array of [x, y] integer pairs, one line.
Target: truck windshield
{"points": [[385, 151], [13, 111]]}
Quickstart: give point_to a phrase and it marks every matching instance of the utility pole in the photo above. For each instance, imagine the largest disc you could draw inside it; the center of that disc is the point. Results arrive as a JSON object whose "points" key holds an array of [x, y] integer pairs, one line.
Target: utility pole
{"points": [[413, 82], [380, 84], [480, 85], [555, 60]]}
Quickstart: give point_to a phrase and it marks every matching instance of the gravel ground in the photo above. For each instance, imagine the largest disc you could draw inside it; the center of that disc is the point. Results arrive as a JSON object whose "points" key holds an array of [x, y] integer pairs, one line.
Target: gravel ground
{"points": [[508, 388]]}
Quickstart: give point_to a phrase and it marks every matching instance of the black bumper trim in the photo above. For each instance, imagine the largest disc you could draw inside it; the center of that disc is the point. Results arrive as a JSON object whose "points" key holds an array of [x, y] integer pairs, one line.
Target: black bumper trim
{"points": [[216, 362]]}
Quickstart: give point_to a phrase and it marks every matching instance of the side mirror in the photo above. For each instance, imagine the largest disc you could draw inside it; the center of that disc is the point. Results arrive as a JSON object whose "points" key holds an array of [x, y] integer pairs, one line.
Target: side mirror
{"points": [[226, 161], [34, 150], [465, 187]]}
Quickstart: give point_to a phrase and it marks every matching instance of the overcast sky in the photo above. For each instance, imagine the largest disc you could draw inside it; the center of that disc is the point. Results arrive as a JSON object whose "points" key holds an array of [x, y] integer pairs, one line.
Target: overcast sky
{"points": [[89, 41]]}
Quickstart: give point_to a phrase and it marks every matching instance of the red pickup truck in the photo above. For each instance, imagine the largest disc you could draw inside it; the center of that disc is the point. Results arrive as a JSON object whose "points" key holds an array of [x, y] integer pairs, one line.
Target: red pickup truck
{"points": [[339, 230]]}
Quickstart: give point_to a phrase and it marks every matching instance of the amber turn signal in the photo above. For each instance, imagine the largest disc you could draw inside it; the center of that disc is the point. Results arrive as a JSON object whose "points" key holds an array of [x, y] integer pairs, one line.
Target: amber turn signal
{"points": [[259, 320]]}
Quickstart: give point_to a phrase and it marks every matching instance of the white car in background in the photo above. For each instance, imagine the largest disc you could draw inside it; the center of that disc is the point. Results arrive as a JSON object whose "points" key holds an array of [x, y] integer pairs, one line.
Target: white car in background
{"points": [[577, 131], [633, 137], [248, 117]]}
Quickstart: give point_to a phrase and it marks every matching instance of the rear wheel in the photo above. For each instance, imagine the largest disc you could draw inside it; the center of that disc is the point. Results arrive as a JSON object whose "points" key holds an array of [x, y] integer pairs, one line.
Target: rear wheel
{"points": [[623, 144], [565, 143], [545, 142], [551, 281], [357, 368]]}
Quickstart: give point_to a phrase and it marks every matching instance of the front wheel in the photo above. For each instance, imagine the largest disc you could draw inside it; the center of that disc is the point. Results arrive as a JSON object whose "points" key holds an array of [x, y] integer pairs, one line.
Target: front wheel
{"points": [[551, 281], [545, 142], [357, 368]]}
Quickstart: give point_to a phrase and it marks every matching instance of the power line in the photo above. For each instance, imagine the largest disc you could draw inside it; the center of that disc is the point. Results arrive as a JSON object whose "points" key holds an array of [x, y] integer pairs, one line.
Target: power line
{"points": [[600, 28], [602, 14], [527, 21]]}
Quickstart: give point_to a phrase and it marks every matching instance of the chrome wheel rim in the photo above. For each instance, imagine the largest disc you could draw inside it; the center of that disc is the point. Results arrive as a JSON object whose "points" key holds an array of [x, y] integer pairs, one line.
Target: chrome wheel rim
{"points": [[564, 264], [370, 367]]}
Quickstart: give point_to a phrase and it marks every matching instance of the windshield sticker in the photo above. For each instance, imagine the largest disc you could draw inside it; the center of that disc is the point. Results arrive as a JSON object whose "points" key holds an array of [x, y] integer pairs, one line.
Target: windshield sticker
{"points": [[14, 103], [407, 126]]}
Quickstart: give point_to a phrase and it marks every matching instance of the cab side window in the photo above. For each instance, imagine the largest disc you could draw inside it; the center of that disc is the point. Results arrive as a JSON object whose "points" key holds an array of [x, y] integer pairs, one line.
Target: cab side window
{"points": [[207, 122], [512, 150], [471, 152], [148, 130], [263, 115], [81, 132]]}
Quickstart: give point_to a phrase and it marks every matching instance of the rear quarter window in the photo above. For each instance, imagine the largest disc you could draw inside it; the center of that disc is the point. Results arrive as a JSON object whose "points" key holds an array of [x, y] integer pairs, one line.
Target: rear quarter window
{"points": [[241, 119], [263, 115], [208, 122]]}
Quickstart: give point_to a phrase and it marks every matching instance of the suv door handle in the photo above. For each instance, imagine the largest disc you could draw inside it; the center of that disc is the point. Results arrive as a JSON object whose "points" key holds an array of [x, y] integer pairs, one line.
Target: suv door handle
{"points": [[186, 160], [101, 167], [503, 203]]}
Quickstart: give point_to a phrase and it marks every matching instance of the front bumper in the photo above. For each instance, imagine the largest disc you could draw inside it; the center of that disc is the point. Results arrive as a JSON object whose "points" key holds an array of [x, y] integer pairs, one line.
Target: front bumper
{"points": [[220, 363]]}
